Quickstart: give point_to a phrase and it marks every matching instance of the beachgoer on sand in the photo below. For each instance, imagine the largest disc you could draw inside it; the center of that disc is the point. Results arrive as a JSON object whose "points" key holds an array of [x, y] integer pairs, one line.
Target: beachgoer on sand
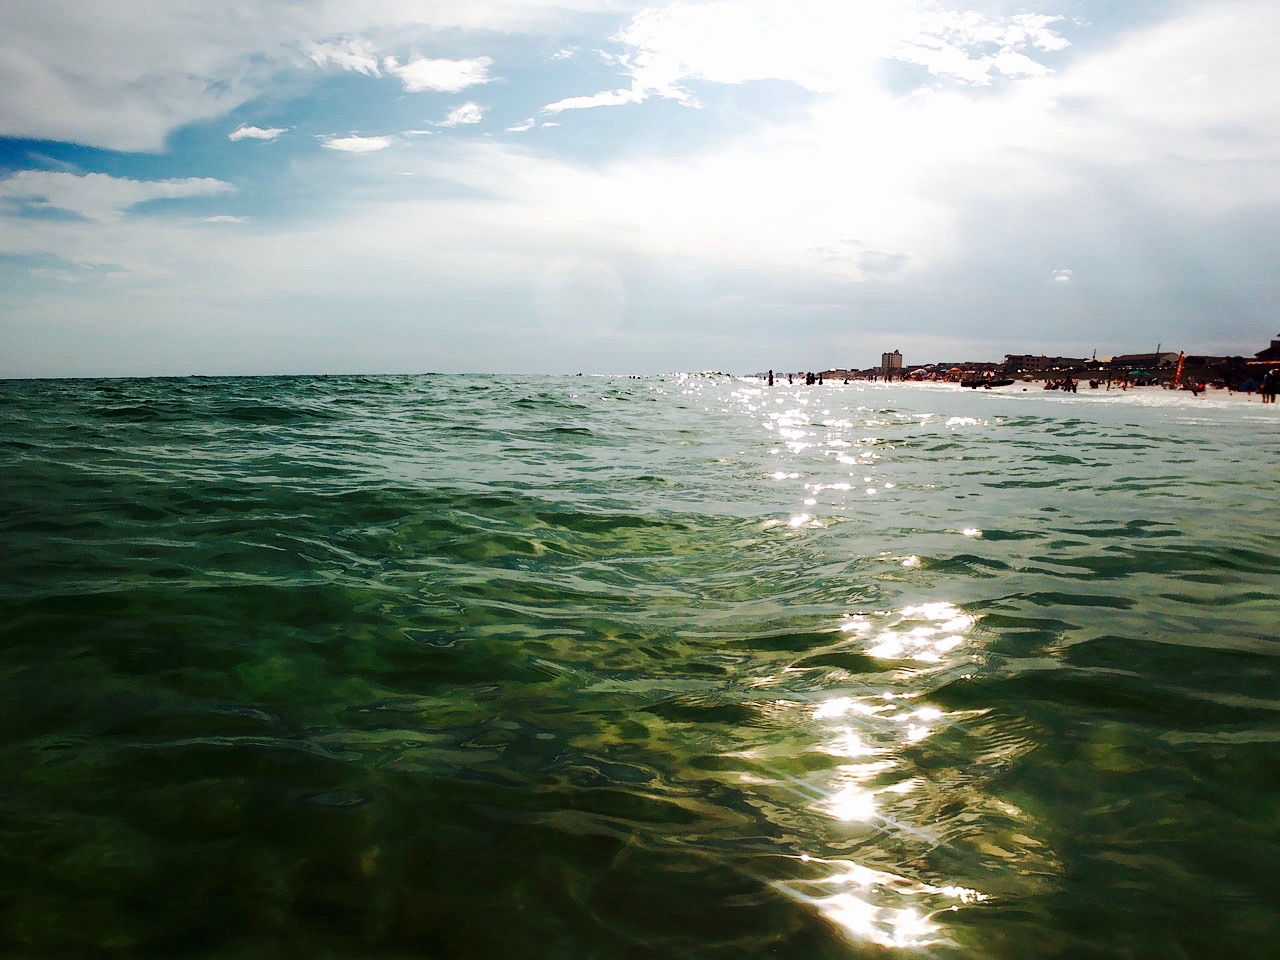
{"points": [[1271, 385]]}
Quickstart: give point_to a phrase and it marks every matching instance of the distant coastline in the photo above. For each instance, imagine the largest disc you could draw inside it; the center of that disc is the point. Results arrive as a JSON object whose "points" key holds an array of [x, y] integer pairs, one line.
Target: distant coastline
{"points": [[1160, 368]]}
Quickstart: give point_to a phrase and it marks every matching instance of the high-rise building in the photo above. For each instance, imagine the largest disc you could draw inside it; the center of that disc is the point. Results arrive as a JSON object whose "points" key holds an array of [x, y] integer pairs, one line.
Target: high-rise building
{"points": [[891, 365]]}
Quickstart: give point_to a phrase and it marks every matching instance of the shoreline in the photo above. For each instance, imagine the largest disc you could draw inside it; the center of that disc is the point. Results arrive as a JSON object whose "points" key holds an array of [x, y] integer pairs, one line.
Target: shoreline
{"points": [[1218, 397], [1209, 394]]}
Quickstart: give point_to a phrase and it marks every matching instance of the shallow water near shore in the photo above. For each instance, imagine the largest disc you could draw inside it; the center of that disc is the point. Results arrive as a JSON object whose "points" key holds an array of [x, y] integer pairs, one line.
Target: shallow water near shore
{"points": [[577, 667]]}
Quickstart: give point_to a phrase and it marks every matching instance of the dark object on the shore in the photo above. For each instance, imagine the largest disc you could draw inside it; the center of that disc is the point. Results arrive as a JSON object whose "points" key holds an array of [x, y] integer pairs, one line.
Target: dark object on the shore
{"points": [[987, 383]]}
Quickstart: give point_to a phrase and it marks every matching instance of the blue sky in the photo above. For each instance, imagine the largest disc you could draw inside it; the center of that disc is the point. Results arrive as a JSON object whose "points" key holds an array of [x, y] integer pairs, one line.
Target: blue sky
{"points": [[613, 186]]}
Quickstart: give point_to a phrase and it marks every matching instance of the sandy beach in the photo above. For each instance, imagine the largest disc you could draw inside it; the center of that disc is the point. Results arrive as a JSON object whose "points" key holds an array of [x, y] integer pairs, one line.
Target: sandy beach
{"points": [[1146, 395]]}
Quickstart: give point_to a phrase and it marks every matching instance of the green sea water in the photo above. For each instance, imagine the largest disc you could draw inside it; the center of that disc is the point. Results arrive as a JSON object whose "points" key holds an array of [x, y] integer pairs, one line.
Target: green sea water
{"points": [[586, 667]]}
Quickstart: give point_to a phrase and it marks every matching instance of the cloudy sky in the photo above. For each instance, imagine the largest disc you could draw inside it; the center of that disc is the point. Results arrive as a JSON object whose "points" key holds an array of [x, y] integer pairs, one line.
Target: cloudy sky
{"points": [[192, 186]]}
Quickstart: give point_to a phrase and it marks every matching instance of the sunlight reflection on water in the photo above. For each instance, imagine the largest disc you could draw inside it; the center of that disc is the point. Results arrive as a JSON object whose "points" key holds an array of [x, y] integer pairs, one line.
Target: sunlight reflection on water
{"points": [[906, 818], [868, 792], [873, 905], [937, 630]]}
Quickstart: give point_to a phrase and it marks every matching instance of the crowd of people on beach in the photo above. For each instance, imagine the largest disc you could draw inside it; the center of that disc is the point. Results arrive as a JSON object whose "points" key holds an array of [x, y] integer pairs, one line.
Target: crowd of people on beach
{"points": [[1268, 388], [810, 379]]}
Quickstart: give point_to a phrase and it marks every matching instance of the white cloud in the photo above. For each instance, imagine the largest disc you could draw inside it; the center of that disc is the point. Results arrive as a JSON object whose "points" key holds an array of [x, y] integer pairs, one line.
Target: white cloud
{"points": [[359, 55], [226, 218], [953, 44], [357, 144], [465, 114], [102, 75], [49, 273], [821, 45], [124, 75], [1174, 115], [522, 126], [609, 98], [245, 132], [98, 196], [442, 76], [50, 163], [1062, 276]]}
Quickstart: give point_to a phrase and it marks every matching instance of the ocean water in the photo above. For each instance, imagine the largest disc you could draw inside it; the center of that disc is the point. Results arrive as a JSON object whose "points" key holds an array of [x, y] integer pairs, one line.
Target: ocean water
{"points": [[678, 667]]}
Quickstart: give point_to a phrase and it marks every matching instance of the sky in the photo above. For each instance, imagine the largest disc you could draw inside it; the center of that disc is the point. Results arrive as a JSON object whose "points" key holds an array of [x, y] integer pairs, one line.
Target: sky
{"points": [[404, 186]]}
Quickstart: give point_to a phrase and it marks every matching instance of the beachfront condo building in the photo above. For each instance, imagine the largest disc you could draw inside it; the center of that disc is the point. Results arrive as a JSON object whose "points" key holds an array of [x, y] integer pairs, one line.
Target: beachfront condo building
{"points": [[891, 365]]}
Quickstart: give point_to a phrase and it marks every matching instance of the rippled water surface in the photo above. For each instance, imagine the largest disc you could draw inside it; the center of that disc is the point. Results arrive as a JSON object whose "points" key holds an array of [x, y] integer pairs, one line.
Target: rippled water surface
{"points": [[428, 667]]}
